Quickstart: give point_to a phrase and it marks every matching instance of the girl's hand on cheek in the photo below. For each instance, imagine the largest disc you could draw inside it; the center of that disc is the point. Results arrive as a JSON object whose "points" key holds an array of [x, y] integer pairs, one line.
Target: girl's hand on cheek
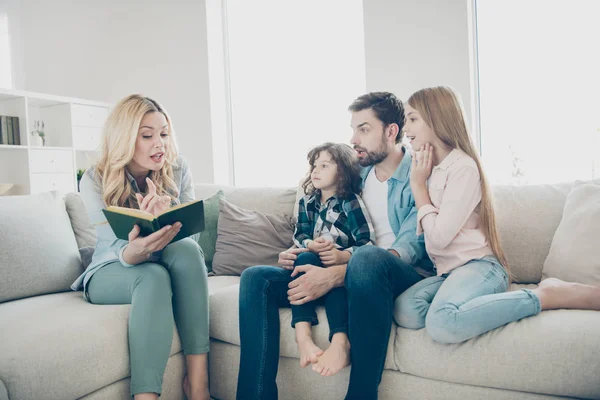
{"points": [[422, 164]]}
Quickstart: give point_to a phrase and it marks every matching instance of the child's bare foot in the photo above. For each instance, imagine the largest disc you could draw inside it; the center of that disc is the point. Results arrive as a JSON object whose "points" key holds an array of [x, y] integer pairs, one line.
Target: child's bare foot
{"points": [[555, 293], [335, 358], [309, 351]]}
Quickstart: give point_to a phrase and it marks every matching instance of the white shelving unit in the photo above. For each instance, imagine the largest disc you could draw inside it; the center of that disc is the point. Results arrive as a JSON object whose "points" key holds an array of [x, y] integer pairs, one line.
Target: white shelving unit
{"points": [[73, 131]]}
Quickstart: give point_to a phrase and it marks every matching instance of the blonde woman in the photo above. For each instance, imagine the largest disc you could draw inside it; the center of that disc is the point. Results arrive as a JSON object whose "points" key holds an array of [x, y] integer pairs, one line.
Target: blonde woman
{"points": [[469, 295], [165, 284]]}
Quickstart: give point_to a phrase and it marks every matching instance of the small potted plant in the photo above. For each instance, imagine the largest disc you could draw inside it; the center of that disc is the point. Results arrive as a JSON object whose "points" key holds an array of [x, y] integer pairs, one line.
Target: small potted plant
{"points": [[38, 133], [80, 173]]}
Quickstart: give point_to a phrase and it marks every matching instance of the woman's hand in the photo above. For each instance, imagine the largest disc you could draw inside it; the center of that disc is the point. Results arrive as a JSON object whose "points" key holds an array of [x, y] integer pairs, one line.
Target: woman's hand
{"points": [[140, 248], [152, 202], [334, 257], [422, 164]]}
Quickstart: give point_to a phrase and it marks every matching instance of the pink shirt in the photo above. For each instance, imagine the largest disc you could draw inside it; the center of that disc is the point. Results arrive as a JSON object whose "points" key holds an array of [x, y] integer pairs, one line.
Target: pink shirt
{"points": [[453, 234]]}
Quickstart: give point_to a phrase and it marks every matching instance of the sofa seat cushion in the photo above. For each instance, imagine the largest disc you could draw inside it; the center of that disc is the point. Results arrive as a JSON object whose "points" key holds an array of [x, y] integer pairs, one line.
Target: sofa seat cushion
{"points": [[560, 347], [224, 325], [217, 283], [59, 346]]}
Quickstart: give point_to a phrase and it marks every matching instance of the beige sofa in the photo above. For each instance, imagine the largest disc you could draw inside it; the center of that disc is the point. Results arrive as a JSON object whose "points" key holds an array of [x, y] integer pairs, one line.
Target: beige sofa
{"points": [[54, 345]]}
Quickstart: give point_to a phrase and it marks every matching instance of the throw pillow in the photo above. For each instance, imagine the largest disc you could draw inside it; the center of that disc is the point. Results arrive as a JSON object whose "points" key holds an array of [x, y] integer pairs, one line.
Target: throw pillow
{"points": [[85, 234], [574, 254], [38, 250], [246, 238], [208, 237]]}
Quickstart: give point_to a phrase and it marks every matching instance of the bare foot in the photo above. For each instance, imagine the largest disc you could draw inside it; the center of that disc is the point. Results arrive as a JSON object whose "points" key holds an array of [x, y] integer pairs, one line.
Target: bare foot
{"points": [[201, 394], [335, 358], [555, 293], [309, 351]]}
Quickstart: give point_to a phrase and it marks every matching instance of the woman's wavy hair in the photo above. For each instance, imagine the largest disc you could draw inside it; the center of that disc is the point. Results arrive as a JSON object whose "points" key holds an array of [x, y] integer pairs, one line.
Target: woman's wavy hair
{"points": [[348, 169], [118, 147]]}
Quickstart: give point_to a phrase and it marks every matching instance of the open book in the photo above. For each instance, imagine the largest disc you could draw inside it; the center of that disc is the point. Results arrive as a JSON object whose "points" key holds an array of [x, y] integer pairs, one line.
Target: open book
{"points": [[122, 220]]}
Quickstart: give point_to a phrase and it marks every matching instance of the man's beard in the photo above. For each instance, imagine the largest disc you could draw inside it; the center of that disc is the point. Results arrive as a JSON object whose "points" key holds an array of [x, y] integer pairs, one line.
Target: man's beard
{"points": [[373, 157]]}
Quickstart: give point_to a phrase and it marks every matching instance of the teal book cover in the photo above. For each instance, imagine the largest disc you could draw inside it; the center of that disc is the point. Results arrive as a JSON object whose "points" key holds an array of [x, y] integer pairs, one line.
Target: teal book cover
{"points": [[122, 220]]}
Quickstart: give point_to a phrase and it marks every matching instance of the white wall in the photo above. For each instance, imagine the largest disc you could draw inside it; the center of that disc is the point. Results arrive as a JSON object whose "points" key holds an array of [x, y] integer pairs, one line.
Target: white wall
{"points": [[105, 50], [411, 44]]}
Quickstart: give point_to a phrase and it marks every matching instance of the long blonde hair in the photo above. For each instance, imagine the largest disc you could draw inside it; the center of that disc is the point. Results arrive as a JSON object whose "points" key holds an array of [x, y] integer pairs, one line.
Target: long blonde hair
{"points": [[118, 147], [441, 108]]}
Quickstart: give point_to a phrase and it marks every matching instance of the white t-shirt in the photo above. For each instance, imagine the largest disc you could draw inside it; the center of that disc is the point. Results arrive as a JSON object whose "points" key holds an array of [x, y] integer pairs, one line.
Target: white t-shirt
{"points": [[375, 197]]}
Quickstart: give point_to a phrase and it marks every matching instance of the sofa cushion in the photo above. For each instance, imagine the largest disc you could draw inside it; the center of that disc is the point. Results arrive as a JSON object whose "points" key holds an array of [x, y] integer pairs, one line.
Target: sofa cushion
{"points": [[85, 234], [38, 250], [554, 353], [246, 238], [262, 199], [575, 255], [217, 283], [224, 325], [527, 217], [48, 340], [208, 237]]}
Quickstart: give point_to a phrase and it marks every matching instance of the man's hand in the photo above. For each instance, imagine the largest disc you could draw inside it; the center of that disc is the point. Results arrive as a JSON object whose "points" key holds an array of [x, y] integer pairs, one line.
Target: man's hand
{"points": [[289, 256], [315, 283], [319, 245], [334, 257]]}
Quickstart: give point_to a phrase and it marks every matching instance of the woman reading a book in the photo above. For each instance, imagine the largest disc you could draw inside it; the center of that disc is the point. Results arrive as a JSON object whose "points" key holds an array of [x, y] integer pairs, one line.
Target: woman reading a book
{"points": [[165, 284]]}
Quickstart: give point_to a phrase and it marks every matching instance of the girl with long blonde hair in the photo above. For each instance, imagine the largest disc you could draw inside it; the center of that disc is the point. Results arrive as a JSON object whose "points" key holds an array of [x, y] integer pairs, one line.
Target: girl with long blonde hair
{"points": [[468, 297], [166, 284]]}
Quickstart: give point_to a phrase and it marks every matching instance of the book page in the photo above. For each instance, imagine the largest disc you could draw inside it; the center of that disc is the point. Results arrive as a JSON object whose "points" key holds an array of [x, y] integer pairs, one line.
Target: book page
{"points": [[133, 212]]}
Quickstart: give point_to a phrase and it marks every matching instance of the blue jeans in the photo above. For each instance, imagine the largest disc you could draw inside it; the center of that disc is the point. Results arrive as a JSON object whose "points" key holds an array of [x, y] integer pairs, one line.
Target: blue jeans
{"points": [[263, 290], [374, 277], [467, 302], [336, 302]]}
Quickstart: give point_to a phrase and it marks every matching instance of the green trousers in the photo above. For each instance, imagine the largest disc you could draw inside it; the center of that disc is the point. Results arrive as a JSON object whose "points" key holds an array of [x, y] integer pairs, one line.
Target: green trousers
{"points": [[175, 290]]}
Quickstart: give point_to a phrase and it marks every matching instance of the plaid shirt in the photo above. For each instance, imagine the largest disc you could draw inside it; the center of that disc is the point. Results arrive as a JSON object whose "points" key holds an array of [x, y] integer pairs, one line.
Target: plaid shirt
{"points": [[343, 221]]}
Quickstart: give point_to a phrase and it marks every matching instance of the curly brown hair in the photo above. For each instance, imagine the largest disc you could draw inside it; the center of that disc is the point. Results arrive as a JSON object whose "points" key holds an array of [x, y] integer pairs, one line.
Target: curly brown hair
{"points": [[348, 169]]}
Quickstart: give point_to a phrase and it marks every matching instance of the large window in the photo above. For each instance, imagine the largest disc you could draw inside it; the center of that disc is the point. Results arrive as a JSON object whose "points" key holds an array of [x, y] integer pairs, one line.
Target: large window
{"points": [[293, 70], [539, 82], [5, 61]]}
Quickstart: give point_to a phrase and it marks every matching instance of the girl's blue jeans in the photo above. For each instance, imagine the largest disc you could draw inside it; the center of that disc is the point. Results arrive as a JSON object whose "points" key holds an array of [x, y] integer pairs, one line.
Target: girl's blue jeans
{"points": [[465, 303]]}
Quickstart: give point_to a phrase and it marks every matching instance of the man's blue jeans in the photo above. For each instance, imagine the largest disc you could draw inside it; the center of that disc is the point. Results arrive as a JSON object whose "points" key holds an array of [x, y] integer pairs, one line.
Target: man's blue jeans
{"points": [[374, 278]]}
